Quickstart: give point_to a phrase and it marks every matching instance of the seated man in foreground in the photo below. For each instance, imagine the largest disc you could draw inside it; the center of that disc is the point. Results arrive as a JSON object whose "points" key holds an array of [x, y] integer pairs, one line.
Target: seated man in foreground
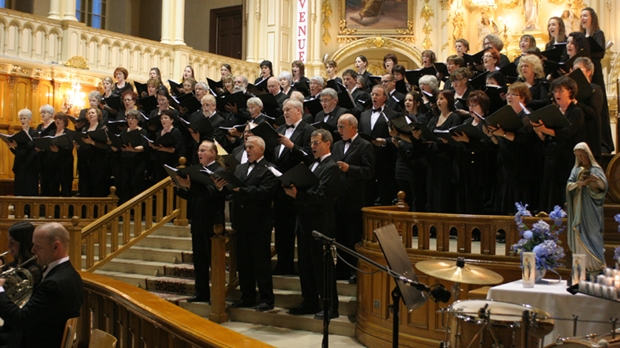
{"points": [[58, 297]]}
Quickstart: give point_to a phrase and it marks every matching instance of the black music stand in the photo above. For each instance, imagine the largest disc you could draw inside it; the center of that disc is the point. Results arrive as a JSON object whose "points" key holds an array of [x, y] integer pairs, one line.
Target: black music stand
{"points": [[398, 261]]}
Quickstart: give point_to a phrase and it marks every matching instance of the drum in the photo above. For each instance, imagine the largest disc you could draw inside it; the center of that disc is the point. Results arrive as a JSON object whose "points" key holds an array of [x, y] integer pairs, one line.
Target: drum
{"points": [[468, 328], [594, 342]]}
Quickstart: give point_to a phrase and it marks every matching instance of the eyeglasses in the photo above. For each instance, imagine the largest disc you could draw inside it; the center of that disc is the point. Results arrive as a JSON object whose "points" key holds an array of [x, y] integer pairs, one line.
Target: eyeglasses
{"points": [[473, 105], [386, 81], [342, 126], [323, 101], [316, 143]]}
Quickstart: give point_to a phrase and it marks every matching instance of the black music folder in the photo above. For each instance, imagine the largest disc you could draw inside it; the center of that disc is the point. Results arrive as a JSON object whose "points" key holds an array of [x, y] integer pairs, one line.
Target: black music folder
{"points": [[113, 102], [401, 125], [202, 126], [427, 134], [555, 54], [551, 116], [44, 143], [506, 117], [147, 104], [301, 176], [472, 131], [313, 106], [232, 181], [21, 137], [269, 135], [584, 88]]}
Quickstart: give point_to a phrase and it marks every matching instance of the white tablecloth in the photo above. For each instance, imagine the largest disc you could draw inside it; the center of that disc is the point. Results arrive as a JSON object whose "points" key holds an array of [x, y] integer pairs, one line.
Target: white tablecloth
{"points": [[554, 299]]}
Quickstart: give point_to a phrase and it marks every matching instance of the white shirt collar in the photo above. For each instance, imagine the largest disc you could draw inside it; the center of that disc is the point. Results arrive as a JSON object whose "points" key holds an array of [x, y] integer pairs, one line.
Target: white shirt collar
{"points": [[53, 264]]}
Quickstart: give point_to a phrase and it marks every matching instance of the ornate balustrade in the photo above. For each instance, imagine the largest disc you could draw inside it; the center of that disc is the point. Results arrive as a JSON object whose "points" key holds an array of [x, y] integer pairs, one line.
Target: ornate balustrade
{"points": [[140, 216], [138, 318], [38, 46]]}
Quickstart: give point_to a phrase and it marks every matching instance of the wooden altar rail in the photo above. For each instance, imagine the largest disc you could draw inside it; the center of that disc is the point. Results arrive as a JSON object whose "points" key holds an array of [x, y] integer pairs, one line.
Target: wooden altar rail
{"points": [[149, 210], [54, 208], [138, 318], [442, 225]]}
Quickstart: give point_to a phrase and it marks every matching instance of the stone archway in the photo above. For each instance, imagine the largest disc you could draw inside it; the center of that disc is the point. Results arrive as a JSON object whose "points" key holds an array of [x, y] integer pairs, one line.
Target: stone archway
{"points": [[374, 48]]}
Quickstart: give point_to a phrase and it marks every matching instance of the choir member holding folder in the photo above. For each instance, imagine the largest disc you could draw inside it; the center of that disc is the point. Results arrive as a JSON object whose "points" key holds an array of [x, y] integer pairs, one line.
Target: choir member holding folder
{"points": [[26, 165], [519, 157], [440, 187], [59, 160], [475, 162], [531, 72], [560, 135], [47, 127], [168, 145], [556, 31], [133, 158], [93, 163]]}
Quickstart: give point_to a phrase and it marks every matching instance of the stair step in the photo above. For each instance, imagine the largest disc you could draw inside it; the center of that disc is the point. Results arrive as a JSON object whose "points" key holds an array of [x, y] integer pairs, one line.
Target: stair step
{"points": [[138, 252], [344, 325], [166, 242]]}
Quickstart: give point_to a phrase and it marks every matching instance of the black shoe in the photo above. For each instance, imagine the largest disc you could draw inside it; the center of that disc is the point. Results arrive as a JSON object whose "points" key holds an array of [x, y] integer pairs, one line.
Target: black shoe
{"points": [[353, 279], [332, 315], [261, 307], [243, 304], [198, 298], [301, 310]]}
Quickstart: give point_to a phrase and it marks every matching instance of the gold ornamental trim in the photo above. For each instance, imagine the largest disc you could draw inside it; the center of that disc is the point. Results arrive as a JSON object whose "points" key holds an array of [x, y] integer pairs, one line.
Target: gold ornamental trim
{"points": [[77, 62]]}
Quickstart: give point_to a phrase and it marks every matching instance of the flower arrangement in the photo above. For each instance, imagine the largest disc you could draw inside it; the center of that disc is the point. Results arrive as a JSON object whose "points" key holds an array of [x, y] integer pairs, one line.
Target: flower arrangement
{"points": [[541, 239]]}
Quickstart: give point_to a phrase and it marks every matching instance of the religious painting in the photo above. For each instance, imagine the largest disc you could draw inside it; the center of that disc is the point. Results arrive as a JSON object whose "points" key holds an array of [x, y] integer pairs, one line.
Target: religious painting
{"points": [[376, 16]]}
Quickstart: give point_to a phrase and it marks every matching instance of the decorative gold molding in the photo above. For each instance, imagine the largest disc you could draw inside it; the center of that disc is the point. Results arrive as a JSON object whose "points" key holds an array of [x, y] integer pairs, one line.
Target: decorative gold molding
{"points": [[427, 12], [513, 3], [557, 2], [77, 62], [344, 30], [35, 84], [12, 80], [446, 4], [326, 11], [409, 31]]}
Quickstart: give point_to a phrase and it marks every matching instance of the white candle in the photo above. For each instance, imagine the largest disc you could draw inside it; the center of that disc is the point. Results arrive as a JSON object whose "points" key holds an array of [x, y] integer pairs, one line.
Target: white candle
{"points": [[600, 279]]}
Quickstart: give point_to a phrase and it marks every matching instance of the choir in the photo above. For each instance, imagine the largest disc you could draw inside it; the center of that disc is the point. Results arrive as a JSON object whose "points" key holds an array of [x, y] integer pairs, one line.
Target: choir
{"points": [[456, 152]]}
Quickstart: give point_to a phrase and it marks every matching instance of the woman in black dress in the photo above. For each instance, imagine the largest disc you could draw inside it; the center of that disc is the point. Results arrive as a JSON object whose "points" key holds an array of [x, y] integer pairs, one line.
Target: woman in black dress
{"points": [[60, 160], [26, 165], [93, 161], [440, 186], [590, 27], [132, 161], [559, 144], [122, 85], [47, 127], [411, 164], [266, 71], [167, 154], [532, 74], [556, 31]]}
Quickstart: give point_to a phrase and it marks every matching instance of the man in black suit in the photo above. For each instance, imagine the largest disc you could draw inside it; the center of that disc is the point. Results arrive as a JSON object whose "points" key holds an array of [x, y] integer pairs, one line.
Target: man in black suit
{"points": [[58, 297], [316, 213], [209, 111], [207, 209], [360, 97], [396, 100], [273, 86], [331, 111], [374, 123], [253, 220], [294, 148], [356, 160]]}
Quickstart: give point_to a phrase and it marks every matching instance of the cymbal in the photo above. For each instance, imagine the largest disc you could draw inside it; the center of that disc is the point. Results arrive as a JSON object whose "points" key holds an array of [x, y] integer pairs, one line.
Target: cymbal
{"points": [[459, 272]]}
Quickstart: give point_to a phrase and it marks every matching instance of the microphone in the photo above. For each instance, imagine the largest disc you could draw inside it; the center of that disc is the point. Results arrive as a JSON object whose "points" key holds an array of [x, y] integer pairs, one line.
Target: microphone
{"points": [[440, 294], [437, 292], [317, 234]]}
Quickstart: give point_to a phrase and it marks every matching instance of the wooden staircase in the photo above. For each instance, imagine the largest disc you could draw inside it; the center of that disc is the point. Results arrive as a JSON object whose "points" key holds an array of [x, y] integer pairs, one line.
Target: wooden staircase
{"points": [[162, 264]]}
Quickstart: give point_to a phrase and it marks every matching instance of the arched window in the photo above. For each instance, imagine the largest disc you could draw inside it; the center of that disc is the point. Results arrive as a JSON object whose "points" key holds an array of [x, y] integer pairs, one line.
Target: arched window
{"points": [[91, 12]]}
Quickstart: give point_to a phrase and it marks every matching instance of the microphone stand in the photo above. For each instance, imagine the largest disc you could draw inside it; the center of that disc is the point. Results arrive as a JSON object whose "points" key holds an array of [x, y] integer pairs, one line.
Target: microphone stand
{"points": [[328, 243]]}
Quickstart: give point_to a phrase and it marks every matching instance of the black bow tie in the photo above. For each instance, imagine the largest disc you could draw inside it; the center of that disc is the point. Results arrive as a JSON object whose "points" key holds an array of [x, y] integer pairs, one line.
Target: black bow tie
{"points": [[347, 141], [290, 126], [376, 110], [251, 163]]}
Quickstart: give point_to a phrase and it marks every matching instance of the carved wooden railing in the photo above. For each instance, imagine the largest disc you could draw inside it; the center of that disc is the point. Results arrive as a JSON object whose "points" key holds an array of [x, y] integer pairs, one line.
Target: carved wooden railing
{"points": [[36, 44], [140, 216], [222, 243], [138, 318]]}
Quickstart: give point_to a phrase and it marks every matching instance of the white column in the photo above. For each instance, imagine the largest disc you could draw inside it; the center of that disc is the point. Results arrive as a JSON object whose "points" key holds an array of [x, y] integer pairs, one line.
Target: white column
{"points": [[68, 10], [251, 30], [179, 22], [54, 10], [165, 22]]}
